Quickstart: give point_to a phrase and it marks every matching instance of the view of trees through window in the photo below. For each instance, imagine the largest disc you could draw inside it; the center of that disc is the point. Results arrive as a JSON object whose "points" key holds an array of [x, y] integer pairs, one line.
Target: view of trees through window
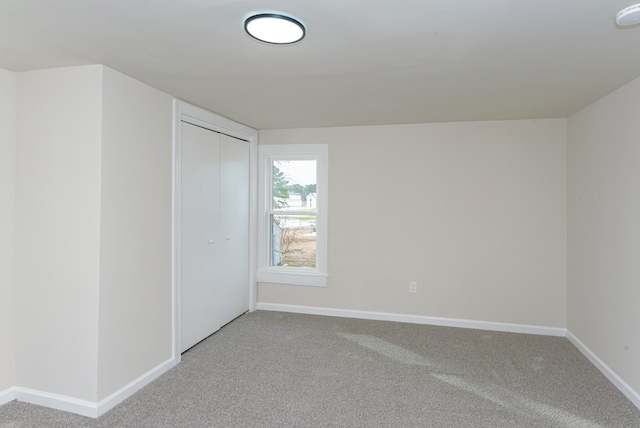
{"points": [[293, 213]]}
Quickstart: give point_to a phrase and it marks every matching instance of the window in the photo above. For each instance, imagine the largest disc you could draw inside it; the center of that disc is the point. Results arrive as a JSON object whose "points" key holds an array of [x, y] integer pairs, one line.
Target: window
{"points": [[293, 221]]}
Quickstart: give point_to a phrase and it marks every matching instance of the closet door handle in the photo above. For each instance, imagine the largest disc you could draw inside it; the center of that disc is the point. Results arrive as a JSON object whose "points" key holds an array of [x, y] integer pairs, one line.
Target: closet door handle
{"points": [[228, 238], [211, 242]]}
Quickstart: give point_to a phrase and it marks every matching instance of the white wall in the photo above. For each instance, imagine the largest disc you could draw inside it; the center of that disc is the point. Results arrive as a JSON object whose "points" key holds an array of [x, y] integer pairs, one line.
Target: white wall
{"points": [[7, 225], [135, 245], [475, 212], [604, 230], [57, 230]]}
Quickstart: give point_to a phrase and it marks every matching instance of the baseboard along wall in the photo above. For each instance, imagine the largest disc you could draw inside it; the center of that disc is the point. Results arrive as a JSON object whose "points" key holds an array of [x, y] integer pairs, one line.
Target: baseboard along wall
{"points": [[613, 377], [136, 385], [56, 401], [415, 319], [7, 395], [83, 407]]}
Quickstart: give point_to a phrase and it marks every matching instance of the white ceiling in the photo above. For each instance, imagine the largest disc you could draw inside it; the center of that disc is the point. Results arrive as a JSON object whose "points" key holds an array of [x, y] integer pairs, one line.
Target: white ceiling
{"points": [[363, 62]]}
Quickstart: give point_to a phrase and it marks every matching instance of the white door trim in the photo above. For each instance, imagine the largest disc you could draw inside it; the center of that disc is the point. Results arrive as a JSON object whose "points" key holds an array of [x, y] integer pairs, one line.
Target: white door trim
{"points": [[183, 111]]}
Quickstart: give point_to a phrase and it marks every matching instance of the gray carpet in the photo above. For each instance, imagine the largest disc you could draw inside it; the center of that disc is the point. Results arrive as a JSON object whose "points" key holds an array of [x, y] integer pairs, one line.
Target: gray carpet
{"points": [[269, 369]]}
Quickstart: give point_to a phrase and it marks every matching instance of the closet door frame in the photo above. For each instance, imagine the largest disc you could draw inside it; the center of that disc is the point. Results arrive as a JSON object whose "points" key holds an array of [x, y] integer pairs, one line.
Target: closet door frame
{"points": [[184, 112]]}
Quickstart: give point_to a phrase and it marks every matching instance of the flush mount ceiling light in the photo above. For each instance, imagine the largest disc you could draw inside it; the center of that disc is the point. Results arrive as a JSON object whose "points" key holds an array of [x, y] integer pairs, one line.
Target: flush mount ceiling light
{"points": [[629, 16], [274, 28]]}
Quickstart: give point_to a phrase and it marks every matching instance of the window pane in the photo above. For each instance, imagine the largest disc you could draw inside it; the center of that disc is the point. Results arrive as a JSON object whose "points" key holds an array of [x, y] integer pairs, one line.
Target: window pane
{"points": [[293, 241], [293, 184]]}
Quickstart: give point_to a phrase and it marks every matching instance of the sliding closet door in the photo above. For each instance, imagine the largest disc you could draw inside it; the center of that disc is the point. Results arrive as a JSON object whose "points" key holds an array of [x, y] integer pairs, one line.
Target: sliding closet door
{"points": [[234, 218], [199, 234]]}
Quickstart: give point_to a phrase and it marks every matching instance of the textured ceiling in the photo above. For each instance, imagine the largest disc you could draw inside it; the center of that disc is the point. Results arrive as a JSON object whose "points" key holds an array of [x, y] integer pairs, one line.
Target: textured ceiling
{"points": [[363, 62]]}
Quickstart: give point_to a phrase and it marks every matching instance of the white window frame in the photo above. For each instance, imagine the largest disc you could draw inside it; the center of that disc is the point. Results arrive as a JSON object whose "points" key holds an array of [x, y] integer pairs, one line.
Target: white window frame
{"points": [[282, 274]]}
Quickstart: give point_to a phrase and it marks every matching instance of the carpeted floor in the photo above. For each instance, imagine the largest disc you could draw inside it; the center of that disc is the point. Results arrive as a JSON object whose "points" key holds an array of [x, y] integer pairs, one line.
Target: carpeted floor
{"points": [[269, 369]]}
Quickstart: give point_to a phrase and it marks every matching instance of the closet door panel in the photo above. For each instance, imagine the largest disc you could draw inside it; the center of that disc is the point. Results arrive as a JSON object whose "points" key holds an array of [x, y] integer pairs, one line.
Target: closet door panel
{"points": [[200, 241], [234, 216]]}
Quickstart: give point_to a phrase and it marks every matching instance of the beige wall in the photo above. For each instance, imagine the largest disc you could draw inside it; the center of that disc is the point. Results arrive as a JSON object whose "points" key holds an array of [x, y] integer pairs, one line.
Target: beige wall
{"points": [[604, 230], [475, 212], [93, 254], [135, 246], [7, 225], [57, 230]]}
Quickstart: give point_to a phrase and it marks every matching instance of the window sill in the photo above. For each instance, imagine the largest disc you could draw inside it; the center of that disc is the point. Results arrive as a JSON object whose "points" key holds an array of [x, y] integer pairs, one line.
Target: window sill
{"points": [[293, 278]]}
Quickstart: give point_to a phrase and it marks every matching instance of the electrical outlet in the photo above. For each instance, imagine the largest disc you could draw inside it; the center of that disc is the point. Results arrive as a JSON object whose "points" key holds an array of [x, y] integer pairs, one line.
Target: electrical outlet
{"points": [[413, 287]]}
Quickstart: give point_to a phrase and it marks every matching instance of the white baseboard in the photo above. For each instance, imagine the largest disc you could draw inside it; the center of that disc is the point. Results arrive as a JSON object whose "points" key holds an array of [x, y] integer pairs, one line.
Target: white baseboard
{"points": [[128, 390], [56, 401], [613, 377], [7, 395], [83, 407], [416, 319]]}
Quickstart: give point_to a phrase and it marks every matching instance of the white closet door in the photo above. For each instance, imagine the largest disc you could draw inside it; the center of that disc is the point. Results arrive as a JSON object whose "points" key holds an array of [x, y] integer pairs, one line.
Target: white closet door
{"points": [[234, 217], [200, 243]]}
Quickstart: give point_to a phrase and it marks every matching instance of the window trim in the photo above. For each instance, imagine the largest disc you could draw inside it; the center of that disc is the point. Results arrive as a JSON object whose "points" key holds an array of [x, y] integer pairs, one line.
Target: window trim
{"points": [[293, 275]]}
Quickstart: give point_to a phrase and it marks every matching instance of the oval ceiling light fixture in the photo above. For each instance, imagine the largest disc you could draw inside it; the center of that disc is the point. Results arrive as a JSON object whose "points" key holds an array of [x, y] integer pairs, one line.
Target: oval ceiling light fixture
{"points": [[629, 16], [274, 28]]}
